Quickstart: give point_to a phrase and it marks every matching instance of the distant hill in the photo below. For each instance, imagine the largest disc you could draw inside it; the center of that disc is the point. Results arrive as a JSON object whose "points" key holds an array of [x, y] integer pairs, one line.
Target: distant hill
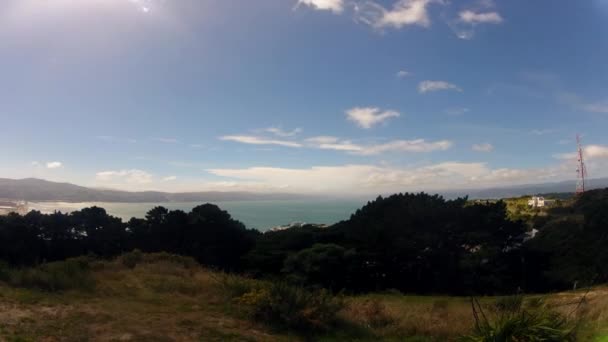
{"points": [[32, 189], [528, 189]]}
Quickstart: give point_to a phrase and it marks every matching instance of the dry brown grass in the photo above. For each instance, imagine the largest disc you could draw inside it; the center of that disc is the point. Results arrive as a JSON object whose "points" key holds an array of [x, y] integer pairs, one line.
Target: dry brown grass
{"points": [[152, 302], [161, 300], [440, 318]]}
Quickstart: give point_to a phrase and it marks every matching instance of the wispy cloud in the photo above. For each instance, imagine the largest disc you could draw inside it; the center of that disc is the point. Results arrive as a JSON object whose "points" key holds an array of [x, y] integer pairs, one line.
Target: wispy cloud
{"points": [[336, 6], [403, 73], [372, 179], [600, 107], [282, 133], [542, 131], [485, 147], [113, 139], [456, 111], [169, 178], [591, 152], [133, 176], [407, 146], [403, 13], [471, 17], [167, 140], [348, 146], [481, 13], [255, 140], [54, 165], [431, 86], [369, 116]]}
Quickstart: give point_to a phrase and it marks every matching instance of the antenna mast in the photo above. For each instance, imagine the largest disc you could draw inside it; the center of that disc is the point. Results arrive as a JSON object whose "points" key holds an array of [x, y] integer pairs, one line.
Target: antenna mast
{"points": [[581, 170]]}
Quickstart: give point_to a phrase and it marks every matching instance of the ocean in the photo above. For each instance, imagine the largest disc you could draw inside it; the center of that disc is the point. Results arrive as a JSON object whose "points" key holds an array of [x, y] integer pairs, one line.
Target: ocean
{"points": [[261, 215]]}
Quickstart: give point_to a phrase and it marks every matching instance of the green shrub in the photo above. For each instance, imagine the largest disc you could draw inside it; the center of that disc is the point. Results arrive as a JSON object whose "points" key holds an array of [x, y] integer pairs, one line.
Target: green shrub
{"points": [[183, 261], [373, 313], [509, 303], [293, 308], [234, 286], [5, 271], [131, 259], [56, 276], [174, 285], [515, 323]]}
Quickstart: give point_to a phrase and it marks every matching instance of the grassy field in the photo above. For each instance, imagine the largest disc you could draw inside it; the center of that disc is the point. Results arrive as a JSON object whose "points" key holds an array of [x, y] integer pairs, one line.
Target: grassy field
{"points": [[169, 299]]}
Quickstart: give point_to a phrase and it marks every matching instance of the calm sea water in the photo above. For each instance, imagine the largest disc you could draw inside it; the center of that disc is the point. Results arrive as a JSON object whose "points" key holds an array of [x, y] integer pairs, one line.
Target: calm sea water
{"points": [[262, 215]]}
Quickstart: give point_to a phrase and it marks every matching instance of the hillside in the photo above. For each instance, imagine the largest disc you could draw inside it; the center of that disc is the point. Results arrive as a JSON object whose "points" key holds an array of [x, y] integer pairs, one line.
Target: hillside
{"points": [[169, 298], [32, 189]]}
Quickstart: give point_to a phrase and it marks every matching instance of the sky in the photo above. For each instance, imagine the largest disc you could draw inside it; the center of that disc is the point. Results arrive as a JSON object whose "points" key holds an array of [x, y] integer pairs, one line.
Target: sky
{"points": [[343, 97]]}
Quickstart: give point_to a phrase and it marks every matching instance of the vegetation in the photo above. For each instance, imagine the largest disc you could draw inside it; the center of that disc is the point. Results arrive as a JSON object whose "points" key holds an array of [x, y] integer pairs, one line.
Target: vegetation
{"points": [[322, 280], [168, 297], [514, 322]]}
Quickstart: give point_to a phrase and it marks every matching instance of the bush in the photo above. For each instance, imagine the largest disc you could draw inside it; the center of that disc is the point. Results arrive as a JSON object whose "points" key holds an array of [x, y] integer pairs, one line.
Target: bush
{"points": [[132, 258], [515, 323], [56, 276], [509, 303], [293, 308], [183, 261], [235, 286], [5, 271], [373, 314]]}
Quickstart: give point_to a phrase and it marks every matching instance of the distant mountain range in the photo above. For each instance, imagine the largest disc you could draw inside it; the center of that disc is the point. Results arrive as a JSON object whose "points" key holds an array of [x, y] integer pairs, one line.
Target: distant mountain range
{"points": [[528, 189], [33, 190], [38, 190]]}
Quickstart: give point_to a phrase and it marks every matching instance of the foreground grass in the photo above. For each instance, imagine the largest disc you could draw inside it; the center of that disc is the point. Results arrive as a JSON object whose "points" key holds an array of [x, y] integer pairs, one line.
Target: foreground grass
{"points": [[166, 298]]}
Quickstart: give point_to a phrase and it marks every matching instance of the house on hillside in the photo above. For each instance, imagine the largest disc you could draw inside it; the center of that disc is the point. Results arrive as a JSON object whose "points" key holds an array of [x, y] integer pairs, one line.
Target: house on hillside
{"points": [[536, 202], [539, 202]]}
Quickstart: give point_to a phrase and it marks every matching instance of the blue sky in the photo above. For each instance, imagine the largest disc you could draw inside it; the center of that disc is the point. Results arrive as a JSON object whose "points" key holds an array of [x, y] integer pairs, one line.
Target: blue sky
{"points": [[308, 96]]}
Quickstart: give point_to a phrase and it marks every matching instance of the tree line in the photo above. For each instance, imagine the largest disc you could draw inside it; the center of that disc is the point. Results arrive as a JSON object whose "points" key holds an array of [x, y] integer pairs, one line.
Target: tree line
{"points": [[415, 243]]}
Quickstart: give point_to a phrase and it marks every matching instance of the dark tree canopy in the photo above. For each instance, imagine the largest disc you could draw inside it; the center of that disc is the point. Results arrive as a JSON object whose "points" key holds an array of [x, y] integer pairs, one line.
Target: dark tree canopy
{"points": [[411, 242]]}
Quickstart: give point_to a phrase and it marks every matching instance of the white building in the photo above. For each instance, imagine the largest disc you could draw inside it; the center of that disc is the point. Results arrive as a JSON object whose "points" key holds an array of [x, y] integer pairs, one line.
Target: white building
{"points": [[536, 202]]}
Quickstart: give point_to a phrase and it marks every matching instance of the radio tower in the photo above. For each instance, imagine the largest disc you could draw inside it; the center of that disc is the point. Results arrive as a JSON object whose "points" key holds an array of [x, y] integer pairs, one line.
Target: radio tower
{"points": [[581, 170]]}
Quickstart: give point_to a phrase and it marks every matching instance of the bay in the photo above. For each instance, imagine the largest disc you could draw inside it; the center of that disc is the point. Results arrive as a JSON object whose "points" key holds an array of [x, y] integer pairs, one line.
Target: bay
{"points": [[262, 215]]}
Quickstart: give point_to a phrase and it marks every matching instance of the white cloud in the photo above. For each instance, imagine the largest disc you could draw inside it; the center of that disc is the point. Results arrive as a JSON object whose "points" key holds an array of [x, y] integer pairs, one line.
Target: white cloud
{"points": [[323, 140], [456, 111], [430, 86], [169, 178], [600, 107], [596, 151], [282, 133], [254, 140], [403, 13], [470, 17], [54, 165], [113, 139], [133, 176], [403, 73], [371, 179], [333, 143], [336, 6], [35, 163], [542, 131], [407, 146], [337, 144], [167, 140], [590, 152], [369, 117], [485, 147], [416, 146]]}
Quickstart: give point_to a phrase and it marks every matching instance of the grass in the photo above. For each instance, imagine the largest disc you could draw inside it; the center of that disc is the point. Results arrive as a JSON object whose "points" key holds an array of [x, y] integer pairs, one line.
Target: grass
{"points": [[170, 298]]}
